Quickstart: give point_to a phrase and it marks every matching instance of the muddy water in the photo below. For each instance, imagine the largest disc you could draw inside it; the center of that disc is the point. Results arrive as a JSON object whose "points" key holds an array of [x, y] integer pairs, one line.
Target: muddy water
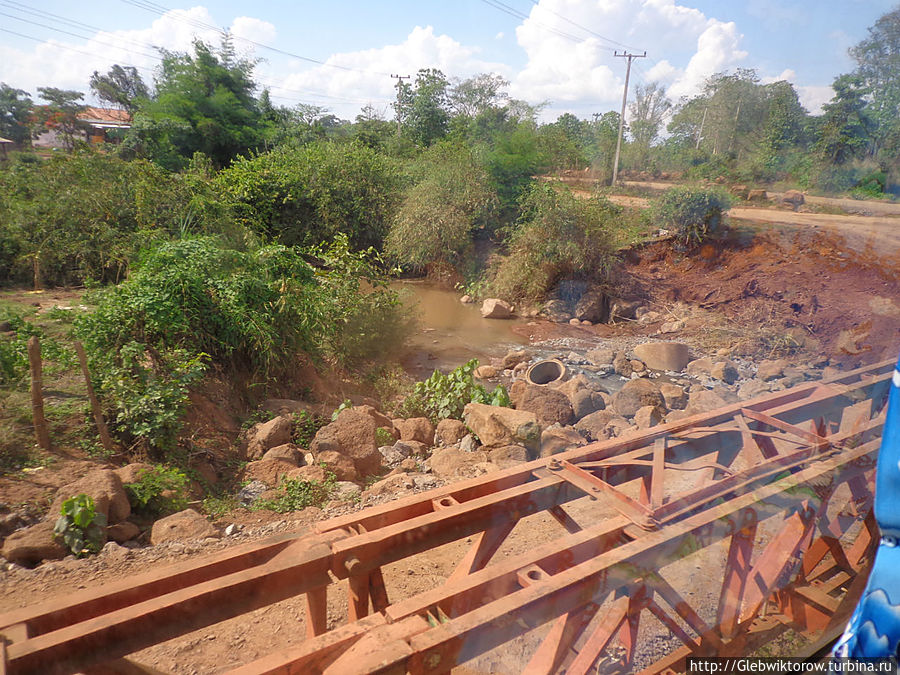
{"points": [[449, 332]]}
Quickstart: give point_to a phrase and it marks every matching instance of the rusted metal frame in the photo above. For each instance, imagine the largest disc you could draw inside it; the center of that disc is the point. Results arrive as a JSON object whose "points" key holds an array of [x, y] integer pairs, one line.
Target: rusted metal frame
{"points": [[61, 612], [482, 550], [450, 643], [357, 596], [737, 569], [609, 626], [672, 625], [696, 465], [656, 477], [561, 516], [556, 645], [295, 570], [776, 423], [316, 605], [683, 609], [590, 484], [387, 642]]}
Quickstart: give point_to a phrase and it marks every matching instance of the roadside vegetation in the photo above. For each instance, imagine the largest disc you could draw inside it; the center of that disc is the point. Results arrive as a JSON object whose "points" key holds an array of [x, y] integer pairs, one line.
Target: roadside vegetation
{"points": [[225, 235]]}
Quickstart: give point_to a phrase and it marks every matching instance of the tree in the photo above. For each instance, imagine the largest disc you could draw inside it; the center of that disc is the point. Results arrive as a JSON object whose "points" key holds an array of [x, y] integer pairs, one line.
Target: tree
{"points": [[844, 130], [61, 113], [122, 86], [648, 110], [470, 97], [422, 108], [15, 111]]}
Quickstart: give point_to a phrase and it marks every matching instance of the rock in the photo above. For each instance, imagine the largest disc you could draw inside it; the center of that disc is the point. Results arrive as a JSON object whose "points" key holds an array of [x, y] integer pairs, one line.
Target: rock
{"points": [[494, 308], [622, 365], [793, 198], [757, 195], [392, 486], [593, 306], [252, 490], [700, 367], [578, 383], [267, 471], [131, 473], [623, 310], [497, 426], [340, 465], [449, 432], [649, 317], [556, 311], [508, 455], [286, 453], [752, 389], [416, 429], [638, 366], [104, 487], [122, 532], [574, 322], [267, 435], [345, 491], [671, 327], [391, 457], [739, 191], [635, 395], [352, 435], [466, 300], [205, 470], [725, 371], [556, 439], [232, 530], [486, 372], [770, 369], [409, 464], [601, 357], [30, 546], [310, 473], [648, 416], [663, 355], [451, 463], [674, 396], [704, 401], [585, 402], [548, 404], [381, 420], [514, 358], [594, 426], [468, 443], [187, 525]]}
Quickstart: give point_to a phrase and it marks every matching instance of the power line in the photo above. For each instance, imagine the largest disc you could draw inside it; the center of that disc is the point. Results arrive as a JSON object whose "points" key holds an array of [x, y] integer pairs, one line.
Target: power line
{"points": [[536, 3], [630, 58]]}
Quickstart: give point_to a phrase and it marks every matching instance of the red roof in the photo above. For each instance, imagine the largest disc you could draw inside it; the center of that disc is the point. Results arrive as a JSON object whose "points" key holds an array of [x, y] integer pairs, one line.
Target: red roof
{"points": [[105, 115]]}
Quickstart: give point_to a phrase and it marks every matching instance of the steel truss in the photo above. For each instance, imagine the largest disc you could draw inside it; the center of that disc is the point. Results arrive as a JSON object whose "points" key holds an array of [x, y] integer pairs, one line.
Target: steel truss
{"points": [[765, 504]]}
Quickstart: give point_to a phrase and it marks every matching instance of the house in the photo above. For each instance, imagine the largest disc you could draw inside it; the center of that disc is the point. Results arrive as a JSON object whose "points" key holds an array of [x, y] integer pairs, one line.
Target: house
{"points": [[95, 123]]}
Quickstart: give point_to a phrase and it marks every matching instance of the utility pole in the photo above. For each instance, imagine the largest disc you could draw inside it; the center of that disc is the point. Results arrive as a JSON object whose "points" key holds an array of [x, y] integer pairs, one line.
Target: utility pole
{"points": [[630, 58], [399, 79]]}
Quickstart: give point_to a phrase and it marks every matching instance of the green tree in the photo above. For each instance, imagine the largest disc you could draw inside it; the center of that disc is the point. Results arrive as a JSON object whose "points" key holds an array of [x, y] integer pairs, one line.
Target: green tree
{"points": [[16, 109], [122, 86], [422, 108], [61, 113], [648, 111], [844, 130], [472, 96]]}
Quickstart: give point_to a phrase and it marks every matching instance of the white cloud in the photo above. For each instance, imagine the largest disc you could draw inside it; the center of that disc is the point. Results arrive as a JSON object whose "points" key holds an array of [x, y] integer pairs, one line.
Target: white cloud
{"points": [[500, 35], [788, 75], [813, 97]]}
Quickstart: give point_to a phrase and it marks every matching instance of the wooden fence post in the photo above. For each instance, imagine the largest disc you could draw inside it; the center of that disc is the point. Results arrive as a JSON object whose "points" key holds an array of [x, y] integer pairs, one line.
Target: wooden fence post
{"points": [[37, 397], [95, 404]]}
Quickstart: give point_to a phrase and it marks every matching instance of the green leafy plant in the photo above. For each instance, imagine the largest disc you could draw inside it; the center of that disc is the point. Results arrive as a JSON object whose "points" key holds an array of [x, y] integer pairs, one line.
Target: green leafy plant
{"points": [[444, 396], [345, 404], [298, 494], [691, 213], [305, 426], [383, 437], [80, 527], [159, 490]]}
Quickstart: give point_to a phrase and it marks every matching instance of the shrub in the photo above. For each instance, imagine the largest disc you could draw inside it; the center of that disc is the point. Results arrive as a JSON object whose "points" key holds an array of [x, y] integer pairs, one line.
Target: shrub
{"points": [[298, 494], [80, 527], [158, 491], [557, 237], [444, 396], [691, 213]]}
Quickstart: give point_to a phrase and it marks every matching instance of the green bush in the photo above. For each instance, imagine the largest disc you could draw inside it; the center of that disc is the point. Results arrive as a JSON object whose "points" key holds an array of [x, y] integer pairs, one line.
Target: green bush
{"points": [[444, 396], [557, 237], [158, 491], [80, 527], [298, 494], [14, 351], [692, 214]]}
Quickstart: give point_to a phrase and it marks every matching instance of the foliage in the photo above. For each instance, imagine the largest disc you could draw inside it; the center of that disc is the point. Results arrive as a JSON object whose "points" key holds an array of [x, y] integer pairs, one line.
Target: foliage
{"points": [[14, 351], [557, 237], [159, 490], [298, 494], [61, 113], [122, 86], [304, 196], [871, 186], [691, 213], [423, 107], [80, 527], [15, 112], [439, 213], [305, 427], [444, 396], [383, 437], [345, 404]]}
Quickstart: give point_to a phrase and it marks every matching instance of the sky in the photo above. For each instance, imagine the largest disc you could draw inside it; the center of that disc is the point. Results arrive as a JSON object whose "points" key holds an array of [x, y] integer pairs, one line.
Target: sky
{"points": [[341, 54]]}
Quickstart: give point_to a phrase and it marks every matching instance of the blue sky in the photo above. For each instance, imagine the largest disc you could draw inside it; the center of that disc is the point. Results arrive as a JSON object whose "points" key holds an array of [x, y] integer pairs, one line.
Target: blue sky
{"points": [[554, 51]]}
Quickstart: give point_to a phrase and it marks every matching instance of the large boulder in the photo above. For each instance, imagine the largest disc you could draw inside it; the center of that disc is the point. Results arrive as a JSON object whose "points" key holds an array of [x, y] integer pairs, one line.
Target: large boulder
{"points": [[381, 420], [415, 429], [601, 356], [771, 369], [551, 406], [131, 473], [352, 435], [267, 435], [648, 416], [705, 401], [340, 465], [30, 546], [494, 308], [793, 198], [585, 402], [308, 473], [701, 367], [286, 453], [725, 371], [122, 532], [450, 432], [497, 426], [636, 394], [663, 355], [514, 357], [623, 310], [104, 487], [508, 455], [593, 306], [268, 471], [187, 525], [597, 426], [452, 463], [556, 439], [674, 396]]}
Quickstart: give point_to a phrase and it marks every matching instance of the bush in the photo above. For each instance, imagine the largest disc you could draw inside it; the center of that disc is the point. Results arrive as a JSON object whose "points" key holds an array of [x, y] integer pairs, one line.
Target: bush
{"points": [[691, 213], [158, 491], [298, 494], [557, 237], [444, 396], [80, 527]]}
